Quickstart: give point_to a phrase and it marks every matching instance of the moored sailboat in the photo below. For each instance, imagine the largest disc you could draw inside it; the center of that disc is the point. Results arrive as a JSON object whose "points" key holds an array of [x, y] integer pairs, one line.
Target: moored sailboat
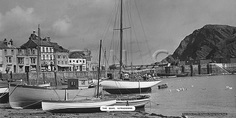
{"points": [[128, 85]]}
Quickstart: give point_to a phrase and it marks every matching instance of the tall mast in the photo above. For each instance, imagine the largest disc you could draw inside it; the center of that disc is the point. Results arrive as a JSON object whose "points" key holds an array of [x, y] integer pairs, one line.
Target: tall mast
{"points": [[38, 52], [121, 37], [99, 66]]}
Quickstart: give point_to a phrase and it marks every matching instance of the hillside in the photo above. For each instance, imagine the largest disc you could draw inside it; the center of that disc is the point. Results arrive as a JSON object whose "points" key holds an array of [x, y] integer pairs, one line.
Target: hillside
{"points": [[209, 42]]}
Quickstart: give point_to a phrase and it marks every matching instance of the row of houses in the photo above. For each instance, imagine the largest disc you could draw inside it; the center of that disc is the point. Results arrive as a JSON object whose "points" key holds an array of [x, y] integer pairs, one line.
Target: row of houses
{"points": [[48, 55]]}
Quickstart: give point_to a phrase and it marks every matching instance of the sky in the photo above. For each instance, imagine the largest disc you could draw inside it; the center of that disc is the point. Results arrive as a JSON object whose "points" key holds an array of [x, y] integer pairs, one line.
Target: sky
{"points": [[80, 24]]}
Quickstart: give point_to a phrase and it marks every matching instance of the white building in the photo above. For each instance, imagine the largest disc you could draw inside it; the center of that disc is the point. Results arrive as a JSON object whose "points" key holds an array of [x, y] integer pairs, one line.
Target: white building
{"points": [[78, 61]]}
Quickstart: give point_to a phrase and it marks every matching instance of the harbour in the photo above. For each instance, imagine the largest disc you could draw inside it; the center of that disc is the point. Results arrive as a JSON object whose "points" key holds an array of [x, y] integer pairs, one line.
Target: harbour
{"points": [[199, 95], [110, 66]]}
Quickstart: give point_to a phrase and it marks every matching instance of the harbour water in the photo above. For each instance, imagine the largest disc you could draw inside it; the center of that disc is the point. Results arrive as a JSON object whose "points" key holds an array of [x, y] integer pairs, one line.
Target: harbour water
{"points": [[205, 94]]}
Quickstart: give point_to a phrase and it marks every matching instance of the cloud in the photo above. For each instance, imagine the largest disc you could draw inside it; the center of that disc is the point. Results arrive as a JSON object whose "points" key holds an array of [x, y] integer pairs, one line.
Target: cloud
{"points": [[62, 26], [19, 16], [1, 23], [17, 23]]}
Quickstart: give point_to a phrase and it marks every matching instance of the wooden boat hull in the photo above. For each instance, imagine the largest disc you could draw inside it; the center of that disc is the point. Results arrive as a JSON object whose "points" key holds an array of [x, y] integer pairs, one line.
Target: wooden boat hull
{"points": [[22, 96], [182, 75], [82, 106], [137, 102], [4, 95], [166, 74], [128, 87], [128, 91]]}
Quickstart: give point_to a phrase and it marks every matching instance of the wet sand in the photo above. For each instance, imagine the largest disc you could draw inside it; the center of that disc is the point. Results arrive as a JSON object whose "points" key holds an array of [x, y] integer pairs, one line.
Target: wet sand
{"points": [[7, 112]]}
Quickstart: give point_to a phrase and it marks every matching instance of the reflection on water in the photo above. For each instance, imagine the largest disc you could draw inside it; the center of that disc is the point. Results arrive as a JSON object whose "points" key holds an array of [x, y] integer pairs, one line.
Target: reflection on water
{"points": [[195, 94]]}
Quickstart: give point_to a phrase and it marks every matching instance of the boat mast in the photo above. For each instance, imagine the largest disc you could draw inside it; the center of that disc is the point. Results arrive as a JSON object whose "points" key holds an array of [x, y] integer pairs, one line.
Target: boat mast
{"points": [[121, 38], [38, 53], [99, 66]]}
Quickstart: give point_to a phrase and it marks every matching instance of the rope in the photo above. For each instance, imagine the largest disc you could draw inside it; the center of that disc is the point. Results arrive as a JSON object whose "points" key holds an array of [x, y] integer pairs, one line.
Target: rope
{"points": [[32, 104], [5, 93], [13, 90], [56, 93]]}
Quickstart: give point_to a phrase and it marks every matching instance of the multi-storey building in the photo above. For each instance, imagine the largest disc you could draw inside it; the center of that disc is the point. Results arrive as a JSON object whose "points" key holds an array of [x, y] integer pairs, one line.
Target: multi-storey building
{"points": [[45, 49], [61, 57], [26, 59], [7, 56]]}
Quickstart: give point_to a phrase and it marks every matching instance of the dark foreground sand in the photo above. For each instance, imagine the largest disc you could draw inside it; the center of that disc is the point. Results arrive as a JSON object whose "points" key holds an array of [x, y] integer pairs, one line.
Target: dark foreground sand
{"points": [[7, 112]]}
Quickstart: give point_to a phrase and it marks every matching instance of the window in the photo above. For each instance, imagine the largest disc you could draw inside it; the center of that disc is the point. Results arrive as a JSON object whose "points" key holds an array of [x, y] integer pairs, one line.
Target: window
{"points": [[33, 60], [58, 62], [5, 51], [58, 56], [43, 57], [42, 49], [65, 62], [47, 57], [9, 59], [64, 57], [20, 60], [12, 52], [83, 82], [77, 61], [51, 57], [33, 51], [70, 61], [28, 51], [62, 62], [19, 51], [83, 61]]}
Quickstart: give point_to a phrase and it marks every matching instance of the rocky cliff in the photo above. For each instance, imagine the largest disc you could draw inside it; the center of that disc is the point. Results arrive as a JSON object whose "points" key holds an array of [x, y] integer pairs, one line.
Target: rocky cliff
{"points": [[209, 42]]}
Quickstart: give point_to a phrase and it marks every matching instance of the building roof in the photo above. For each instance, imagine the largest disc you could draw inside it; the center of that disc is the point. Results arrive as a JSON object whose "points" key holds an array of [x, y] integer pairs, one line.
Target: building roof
{"points": [[76, 54], [4, 46], [58, 48], [34, 41]]}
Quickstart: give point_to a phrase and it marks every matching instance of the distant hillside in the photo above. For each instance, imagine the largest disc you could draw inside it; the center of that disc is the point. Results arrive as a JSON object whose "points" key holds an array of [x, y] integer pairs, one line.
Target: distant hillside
{"points": [[209, 42]]}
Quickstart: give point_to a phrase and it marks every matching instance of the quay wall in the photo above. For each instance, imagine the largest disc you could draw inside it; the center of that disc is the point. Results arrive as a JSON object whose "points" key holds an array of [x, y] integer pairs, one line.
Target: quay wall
{"points": [[62, 76]]}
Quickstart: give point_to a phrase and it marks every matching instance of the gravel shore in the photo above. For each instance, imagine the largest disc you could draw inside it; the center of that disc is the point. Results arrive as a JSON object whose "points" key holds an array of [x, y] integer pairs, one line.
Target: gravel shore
{"points": [[7, 112]]}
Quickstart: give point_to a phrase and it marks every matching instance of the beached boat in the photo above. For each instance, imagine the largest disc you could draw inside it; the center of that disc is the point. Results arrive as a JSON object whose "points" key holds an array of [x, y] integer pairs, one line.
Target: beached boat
{"points": [[81, 106], [25, 96], [4, 95], [138, 101], [182, 74]]}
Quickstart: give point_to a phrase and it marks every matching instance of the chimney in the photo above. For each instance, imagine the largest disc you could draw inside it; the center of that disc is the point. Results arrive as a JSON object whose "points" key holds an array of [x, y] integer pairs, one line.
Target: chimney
{"points": [[5, 41], [11, 42], [39, 33], [48, 39]]}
